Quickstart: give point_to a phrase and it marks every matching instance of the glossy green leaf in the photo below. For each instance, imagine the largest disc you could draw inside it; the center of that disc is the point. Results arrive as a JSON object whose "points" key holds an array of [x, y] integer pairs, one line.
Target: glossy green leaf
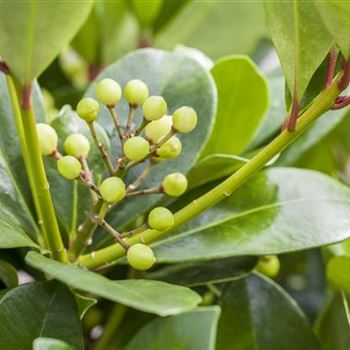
{"points": [[242, 103], [182, 81], [146, 12], [196, 274], [333, 325], [34, 32], [84, 303], [218, 28], [338, 273], [336, 16], [280, 210], [8, 274], [294, 26], [192, 330], [214, 167], [40, 309], [50, 344], [258, 314], [273, 119], [150, 296]]}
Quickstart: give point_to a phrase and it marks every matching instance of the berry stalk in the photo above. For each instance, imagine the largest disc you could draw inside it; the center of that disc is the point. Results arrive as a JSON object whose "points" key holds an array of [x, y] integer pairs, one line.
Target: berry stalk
{"points": [[109, 255]]}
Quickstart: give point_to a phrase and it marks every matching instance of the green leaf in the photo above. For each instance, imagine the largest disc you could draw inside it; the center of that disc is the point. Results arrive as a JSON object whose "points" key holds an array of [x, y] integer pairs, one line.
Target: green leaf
{"points": [[218, 28], [84, 303], [71, 199], [196, 274], [280, 210], [323, 126], [213, 167], [146, 12], [40, 309], [192, 330], [8, 274], [338, 269], [294, 26], [34, 32], [336, 16], [333, 326], [242, 103], [50, 344], [182, 81], [150, 296], [258, 314]]}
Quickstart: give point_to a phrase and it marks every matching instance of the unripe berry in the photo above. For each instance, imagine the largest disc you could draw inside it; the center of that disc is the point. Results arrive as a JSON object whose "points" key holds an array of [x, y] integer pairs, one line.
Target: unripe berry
{"points": [[47, 138], [77, 145], [87, 109], [154, 108], [136, 148], [160, 218], [136, 92], [185, 119], [175, 184], [157, 129], [112, 189], [170, 149], [268, 265], [108, 92], [69, 167], [140, 257]]}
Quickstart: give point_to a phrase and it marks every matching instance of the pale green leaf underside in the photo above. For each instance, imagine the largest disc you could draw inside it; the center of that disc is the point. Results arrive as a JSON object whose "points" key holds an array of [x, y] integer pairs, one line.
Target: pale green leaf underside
{"points": [[150, 296], [192, 330], [33, 32], [280, 210], [301, 39], [242, 102]]}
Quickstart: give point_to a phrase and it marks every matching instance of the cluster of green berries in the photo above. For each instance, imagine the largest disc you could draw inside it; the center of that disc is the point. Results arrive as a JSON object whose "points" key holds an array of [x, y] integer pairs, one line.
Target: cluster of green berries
{"points": [[155, 140]]}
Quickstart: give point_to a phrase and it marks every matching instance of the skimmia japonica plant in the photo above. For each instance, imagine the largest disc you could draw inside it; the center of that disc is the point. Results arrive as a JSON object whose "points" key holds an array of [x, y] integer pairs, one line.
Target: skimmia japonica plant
{"points": [[153, 199]]}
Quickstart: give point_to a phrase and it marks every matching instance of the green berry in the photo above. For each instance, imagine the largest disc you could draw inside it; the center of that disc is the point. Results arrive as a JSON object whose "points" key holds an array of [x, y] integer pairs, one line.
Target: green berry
{"points": [[77, 145], [112, 189], [268, 265], [108, 92], [47, 138], [140, 257], [87, 109], [185, 119], [136, 148], [170, 149], [175, 184], [136, 92], [160, 218], [154, 108], [157, 129], [69, 167]]}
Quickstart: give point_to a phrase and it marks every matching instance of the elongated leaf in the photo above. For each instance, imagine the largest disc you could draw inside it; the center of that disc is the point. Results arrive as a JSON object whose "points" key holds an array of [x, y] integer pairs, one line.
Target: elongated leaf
{"points": [[192, 330], [146, 12], [214, 167], [336, 16], [197, 274], [50, 344], [242, 103], [258, 314], [34, 32], [8, 274], [333, 326], [182, 81], [280, 210], [40, 309], [151, 296], [294, 26]]}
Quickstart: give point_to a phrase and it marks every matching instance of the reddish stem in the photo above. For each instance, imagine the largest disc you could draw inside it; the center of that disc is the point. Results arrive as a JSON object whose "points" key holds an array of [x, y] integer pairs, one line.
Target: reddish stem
{"points": [[341, 102], [344, 81], [332, 62], [4, 68], [27, 97]]}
